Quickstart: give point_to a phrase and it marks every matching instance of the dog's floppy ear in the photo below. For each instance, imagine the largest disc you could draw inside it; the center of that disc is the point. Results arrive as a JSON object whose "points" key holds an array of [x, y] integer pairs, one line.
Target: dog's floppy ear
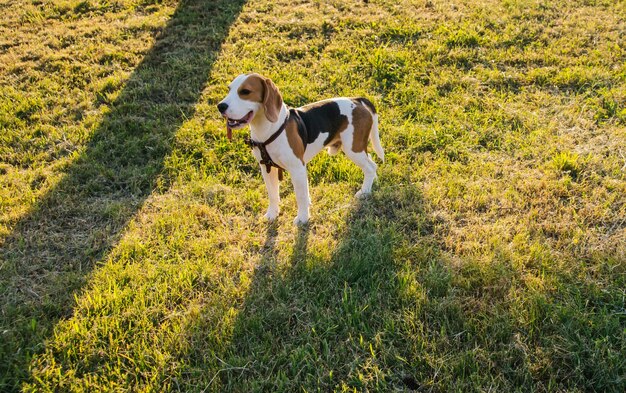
{"points": [[272, 100]]}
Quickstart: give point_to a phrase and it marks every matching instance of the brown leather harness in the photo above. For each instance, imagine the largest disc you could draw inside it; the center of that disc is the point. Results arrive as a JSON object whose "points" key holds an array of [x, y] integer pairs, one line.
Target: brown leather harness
{"points": [[265, 156]]}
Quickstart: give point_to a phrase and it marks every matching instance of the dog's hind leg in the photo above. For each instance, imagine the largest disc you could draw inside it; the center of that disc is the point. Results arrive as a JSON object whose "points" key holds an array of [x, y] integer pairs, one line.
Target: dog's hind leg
{"points": [[364, 161]]}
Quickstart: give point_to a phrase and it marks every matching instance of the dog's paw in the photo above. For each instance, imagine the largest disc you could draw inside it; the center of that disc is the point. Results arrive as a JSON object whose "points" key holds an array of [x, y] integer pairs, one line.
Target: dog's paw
{"points": [[362, 194], [300, 220], [271, 215]]}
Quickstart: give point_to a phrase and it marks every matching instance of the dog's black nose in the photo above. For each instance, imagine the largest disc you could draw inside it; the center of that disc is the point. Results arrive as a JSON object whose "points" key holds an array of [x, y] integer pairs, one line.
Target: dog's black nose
{"points": [[222, 107]]}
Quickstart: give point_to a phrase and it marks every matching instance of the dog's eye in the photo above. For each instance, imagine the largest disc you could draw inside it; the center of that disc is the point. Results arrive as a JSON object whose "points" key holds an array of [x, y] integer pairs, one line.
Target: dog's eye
{"points": [[244, 92]]}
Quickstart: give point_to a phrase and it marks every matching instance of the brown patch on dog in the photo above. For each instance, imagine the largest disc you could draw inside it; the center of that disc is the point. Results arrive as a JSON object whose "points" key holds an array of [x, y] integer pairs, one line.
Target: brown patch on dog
{"points": [[260, 89], [295, 142], [254, 85], [362, 122]]}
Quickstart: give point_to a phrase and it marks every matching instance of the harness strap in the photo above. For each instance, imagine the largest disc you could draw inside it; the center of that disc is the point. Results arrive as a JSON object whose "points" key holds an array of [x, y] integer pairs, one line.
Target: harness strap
{"points": [[265, 157]]}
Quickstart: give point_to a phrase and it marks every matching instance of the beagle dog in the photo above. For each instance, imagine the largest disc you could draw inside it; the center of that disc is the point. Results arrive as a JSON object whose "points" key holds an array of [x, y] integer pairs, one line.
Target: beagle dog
{"points": [[283, 138]]}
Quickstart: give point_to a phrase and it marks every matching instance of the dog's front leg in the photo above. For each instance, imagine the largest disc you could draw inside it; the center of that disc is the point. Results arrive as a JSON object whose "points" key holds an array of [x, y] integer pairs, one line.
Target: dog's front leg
{"points": [[272, 183], [301, 188]]}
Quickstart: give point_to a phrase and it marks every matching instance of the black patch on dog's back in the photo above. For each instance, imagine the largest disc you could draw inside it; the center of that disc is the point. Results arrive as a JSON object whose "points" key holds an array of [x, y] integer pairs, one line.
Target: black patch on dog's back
{"points": [[367, 103], [323, 118]]}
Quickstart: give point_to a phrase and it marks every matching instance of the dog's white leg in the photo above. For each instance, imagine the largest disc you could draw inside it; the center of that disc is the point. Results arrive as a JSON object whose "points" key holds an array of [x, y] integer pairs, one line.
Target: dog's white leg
{"points": [[301, 188], [364, 161], [272, 184]]}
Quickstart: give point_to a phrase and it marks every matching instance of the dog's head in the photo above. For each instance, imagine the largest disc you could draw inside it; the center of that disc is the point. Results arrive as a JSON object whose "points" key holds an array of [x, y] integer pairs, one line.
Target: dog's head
{"points": [[249, 95]]}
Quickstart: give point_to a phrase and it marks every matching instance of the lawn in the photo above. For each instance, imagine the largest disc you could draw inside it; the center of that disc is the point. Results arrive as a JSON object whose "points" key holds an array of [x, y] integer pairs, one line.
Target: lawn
{"points": [[490, 257]]}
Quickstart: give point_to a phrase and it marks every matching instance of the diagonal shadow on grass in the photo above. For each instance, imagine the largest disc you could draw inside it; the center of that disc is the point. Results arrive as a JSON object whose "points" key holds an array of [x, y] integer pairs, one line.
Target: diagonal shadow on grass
{"points": [[315, 322], [48, 256]]}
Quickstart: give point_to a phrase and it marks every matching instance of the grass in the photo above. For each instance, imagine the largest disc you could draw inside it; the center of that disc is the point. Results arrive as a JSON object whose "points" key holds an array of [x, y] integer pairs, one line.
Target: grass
{"points": [[490, 257]]}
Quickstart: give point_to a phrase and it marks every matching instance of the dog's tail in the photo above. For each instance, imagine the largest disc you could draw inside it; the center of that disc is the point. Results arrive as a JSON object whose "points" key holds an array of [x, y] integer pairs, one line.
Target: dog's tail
{"points": [[374, 135], [375, 138]]}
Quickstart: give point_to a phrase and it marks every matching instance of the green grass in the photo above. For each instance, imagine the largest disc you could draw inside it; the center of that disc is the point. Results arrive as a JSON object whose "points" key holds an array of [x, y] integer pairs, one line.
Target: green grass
{"points": [[490, 257]]}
